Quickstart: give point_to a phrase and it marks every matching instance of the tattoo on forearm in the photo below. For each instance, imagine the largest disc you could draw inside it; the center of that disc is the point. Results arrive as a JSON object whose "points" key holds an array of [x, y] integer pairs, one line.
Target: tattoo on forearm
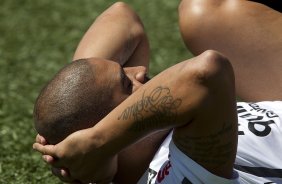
{"points": [[213, 150], [160, 103]]}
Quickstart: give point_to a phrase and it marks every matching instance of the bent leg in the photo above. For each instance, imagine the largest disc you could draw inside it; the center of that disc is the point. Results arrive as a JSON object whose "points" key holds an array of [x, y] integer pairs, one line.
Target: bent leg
{"points": [[248, 33]]}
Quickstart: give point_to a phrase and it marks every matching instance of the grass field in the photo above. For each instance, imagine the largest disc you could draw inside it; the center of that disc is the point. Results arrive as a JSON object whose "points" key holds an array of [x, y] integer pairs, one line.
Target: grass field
{"points": [[37, 37]]}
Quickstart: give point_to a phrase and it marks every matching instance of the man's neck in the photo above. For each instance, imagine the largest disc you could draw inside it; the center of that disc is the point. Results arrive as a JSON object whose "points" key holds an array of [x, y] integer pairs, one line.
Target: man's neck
{"points": [[135, 159]]}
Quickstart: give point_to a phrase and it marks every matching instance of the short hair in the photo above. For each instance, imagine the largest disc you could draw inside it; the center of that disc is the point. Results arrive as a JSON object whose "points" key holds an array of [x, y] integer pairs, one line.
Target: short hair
{"points": [[70, 101]]}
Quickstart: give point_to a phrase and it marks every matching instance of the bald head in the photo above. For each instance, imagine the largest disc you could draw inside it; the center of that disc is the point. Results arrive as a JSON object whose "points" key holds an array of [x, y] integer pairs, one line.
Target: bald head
{"points": [[71, 101]]}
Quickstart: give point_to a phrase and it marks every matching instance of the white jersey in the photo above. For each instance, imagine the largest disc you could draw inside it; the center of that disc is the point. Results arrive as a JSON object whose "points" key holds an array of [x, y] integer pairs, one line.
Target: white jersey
{"points": [[259, 154], [258, 159]]}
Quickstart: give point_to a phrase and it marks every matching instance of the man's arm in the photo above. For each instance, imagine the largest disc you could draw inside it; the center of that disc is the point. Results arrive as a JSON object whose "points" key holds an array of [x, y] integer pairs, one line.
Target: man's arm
{"points": [[196, 97], [117, 34]]}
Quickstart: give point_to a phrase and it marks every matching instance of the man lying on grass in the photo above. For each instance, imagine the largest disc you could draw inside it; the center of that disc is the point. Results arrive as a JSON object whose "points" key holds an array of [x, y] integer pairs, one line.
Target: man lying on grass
{"points": [[129, 117]]}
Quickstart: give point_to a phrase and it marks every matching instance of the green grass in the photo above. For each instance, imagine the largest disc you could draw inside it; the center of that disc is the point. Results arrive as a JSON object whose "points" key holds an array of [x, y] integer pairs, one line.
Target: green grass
{"points": [[37, 37]]}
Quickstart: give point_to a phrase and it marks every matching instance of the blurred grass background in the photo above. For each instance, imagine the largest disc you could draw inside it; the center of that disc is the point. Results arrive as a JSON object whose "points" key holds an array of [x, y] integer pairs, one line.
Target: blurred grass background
{"points": [[38, 37]]}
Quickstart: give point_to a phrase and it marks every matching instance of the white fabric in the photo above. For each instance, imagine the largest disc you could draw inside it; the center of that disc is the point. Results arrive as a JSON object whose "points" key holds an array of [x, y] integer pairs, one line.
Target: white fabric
{"points": [[177, 168], [160, 157], [260, 142], [259, 151]]}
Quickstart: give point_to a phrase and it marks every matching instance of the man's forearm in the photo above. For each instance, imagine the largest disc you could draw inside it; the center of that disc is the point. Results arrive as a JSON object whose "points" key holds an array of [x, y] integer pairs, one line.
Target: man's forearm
{"points": [[160, 103], [189, 97]]}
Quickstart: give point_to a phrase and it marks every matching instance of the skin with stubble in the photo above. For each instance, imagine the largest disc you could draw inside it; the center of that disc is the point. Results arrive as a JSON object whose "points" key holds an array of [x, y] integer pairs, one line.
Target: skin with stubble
{"points": [[67, 104], [81, 94]]}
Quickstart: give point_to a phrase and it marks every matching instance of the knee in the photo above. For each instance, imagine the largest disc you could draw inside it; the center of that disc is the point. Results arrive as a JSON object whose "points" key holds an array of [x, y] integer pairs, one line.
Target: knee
{"points": [[196, 14], [194, 9]]}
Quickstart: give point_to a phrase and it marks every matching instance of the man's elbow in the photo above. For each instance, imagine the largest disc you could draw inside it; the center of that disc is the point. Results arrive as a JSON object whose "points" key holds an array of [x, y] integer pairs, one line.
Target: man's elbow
{"points": [[211, 69], [125, 15], [121, 10]]}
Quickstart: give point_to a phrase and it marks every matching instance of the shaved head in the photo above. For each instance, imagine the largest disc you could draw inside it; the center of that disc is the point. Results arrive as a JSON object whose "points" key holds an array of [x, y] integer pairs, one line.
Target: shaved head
{"points": [[71, 101]]}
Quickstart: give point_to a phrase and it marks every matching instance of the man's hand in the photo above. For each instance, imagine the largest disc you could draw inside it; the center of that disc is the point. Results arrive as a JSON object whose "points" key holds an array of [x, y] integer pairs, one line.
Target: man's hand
{"points": [[62, 174], [95, 166]]}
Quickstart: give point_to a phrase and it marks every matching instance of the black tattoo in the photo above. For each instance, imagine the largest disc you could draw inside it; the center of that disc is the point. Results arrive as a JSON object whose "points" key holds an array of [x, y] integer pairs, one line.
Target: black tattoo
{"points": [[160, 103], [213, 150]]}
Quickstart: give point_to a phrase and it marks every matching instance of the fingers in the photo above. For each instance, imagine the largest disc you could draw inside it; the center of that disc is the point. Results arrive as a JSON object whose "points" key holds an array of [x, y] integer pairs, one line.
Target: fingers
{"points": [[40, 139], [45, 149], [50, 154], [62, 174], [49, 159]]}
